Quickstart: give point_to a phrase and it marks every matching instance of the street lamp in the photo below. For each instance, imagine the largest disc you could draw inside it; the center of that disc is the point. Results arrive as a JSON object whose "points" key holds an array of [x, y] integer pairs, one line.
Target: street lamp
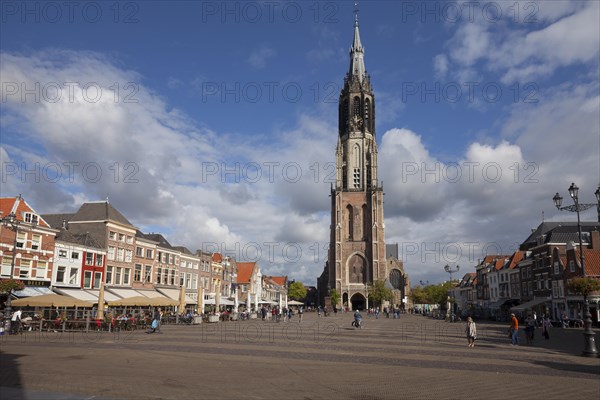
{"points": [[588, 333], [449, 270]]}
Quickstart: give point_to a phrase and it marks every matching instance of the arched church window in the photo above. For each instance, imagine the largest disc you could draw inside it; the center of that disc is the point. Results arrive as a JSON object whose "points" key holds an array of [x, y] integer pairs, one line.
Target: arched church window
{"points": [[346, 111], [368, 114], [356, 106], [396, 279], [350, 222], [365, 215]]}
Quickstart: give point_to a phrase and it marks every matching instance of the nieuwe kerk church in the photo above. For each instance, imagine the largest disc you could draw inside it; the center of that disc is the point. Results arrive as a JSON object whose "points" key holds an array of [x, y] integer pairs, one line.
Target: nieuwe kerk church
{"points": [[358, 254]]}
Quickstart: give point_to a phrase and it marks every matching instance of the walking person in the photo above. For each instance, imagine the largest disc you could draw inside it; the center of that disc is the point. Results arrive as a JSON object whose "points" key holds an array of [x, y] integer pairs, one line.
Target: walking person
{"points": [[15, 322], [300, 313], [471, 331], [546, 323], [514, 330], [155, 322], [529, 329]]}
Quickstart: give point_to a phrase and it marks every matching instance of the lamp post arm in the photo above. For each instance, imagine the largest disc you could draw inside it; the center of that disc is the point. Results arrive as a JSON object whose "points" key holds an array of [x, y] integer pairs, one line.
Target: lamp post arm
{"points": [[580, 207]]}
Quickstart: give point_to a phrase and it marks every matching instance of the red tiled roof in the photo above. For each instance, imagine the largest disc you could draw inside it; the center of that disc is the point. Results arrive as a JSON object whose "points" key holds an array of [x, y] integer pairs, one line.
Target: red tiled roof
{"points": [[499, 264], [217, 257], [515, 259], [7, 204], [280, 280], [244, 271], [592, 261]]}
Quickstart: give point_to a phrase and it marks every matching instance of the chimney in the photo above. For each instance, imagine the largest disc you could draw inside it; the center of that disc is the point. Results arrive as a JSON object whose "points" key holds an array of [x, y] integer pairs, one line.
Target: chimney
{"points": [[65, 225]]}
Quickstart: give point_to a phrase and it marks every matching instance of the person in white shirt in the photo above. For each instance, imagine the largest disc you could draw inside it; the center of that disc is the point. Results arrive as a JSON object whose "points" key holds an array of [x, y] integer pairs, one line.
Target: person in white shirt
{"points": [[15, 321]]}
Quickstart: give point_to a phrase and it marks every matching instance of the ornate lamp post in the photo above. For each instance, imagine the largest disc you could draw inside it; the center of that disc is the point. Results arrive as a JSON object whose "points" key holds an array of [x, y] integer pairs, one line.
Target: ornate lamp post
{"points": [[588, 334], [450, 270]]}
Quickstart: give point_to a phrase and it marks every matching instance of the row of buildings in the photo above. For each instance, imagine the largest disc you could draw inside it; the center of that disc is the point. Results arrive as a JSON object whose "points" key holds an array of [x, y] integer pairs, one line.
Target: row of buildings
{"points": [[535, 277], [74, 253]]}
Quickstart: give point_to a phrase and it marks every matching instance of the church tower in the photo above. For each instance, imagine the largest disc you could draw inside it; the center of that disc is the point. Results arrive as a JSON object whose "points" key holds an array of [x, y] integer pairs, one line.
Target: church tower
{"points": [[357, 254]]}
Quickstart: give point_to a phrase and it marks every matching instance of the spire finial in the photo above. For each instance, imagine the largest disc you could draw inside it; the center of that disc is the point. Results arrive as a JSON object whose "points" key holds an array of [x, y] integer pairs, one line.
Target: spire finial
{"points": [[356, 13]]}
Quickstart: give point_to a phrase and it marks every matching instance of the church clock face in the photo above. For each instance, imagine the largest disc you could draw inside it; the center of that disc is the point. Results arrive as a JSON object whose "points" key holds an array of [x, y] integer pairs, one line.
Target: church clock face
{"points": [[356, 122]]}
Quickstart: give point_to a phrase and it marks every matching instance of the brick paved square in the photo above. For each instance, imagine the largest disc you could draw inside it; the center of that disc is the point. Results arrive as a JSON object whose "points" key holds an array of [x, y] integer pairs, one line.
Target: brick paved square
{"points": [[322, 358]]}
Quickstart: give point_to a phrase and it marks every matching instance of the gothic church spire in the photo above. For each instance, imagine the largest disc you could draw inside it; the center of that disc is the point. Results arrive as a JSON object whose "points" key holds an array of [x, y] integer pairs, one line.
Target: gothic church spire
{"points": [[357, 52]]}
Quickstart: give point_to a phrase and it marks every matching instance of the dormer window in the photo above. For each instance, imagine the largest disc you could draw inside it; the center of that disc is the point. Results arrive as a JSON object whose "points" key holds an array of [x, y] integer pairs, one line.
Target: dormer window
{"points": [[30, 218]]}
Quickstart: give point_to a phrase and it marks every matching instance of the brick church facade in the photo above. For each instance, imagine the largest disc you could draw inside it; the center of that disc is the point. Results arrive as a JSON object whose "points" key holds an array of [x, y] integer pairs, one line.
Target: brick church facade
{"points": [[357, 249]]}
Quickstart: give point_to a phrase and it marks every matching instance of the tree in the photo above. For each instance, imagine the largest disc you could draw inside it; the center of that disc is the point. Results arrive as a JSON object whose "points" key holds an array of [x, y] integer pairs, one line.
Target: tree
{"points": [[584, 286], [334, 295], [297, 291], [418, 295], [378, 293], [432, 294], [10, 285]]}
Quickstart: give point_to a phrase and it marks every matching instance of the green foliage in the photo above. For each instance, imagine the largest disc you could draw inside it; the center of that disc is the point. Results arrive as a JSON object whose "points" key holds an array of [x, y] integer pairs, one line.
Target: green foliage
{"points": [[432, 294], [418, 295], [584, 286], [296, 291], [378, 293], [10, 285], [334, 295]]}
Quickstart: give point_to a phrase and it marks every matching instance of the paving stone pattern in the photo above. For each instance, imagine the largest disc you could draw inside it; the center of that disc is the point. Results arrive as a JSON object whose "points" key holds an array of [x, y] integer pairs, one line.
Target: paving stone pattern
{"points": [[413, 357]]}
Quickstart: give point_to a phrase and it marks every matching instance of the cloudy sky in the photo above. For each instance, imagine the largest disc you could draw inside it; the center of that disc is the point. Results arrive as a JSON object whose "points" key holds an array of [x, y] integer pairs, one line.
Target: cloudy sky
{"points": [[215, 123]]}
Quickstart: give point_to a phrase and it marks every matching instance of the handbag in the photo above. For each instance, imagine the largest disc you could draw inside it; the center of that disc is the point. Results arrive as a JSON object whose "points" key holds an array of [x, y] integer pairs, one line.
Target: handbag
{"points": [[154, 324]]}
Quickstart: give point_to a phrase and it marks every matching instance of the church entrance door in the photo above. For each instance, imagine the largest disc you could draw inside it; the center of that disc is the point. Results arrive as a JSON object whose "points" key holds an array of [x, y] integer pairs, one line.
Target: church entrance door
{"points": [[358, 302]]}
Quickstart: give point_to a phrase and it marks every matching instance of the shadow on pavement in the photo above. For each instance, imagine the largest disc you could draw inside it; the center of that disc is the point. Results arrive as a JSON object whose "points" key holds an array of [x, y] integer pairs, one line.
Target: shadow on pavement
{"points": [[583, 369], [10, 378]]}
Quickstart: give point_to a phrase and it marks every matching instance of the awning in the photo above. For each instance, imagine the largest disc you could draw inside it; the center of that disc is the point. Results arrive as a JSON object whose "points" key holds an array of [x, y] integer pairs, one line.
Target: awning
{"points": [[78, 294], [495, 305], [107, 295], [174, 295], [51, 300], [150, 293], [224, 301], [29, 291], [143, 301], [529, 304], [123, 293]]}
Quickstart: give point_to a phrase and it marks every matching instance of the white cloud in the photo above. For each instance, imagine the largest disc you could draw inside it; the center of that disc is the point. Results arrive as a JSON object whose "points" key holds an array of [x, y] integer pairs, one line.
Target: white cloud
{"points": [[440, 66], [429, 203], [565, 34], [258, 58]]}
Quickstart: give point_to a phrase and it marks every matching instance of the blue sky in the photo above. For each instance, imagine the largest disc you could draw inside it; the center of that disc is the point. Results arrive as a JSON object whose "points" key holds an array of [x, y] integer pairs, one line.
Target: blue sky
{"points": [[216, 121]]}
